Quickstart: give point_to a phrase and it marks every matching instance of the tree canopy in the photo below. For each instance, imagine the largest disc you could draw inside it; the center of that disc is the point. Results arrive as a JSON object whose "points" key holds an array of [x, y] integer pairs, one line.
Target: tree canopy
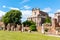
{"points": [[12, 16], [33, 27], [47, 20]]}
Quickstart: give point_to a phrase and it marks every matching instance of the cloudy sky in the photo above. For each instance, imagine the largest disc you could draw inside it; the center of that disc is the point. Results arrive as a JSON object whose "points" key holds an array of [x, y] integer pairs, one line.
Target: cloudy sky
{"points": [[25, 6]]}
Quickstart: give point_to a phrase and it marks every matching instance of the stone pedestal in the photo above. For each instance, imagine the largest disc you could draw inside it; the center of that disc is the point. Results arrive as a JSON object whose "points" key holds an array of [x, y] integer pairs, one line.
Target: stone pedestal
{"points": [[56, 32], [29, 31]]}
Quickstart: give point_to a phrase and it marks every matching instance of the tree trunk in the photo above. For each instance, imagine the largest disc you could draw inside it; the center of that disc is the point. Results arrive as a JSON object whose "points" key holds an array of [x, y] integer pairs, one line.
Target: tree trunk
{"points": [[5, 27], [15, 27]]}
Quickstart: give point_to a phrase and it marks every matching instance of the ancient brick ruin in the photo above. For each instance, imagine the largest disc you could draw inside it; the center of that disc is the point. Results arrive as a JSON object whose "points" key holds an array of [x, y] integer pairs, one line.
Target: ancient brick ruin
{"points": [[39, 17]]}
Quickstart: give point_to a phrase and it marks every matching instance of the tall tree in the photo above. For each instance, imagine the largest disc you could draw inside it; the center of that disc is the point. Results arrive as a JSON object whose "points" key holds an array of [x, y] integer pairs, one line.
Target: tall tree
{"points": [[12, 16], [48, 20]]}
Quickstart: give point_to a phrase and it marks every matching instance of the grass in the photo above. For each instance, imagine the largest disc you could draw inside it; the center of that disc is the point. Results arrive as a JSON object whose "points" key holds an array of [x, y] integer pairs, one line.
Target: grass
{"points": [[6, 35]]}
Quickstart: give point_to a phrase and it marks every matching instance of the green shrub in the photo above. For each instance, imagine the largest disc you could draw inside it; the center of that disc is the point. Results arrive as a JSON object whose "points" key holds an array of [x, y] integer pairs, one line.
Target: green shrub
{"points": [[48, 20], [33, 27], [28, 23]]}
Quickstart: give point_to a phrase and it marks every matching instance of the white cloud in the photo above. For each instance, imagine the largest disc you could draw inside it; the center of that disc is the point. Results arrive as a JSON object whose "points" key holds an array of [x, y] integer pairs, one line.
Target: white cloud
{"points": [[4, 6], [2, 13], [47, 9], [14, 8], [51, 15], [25, 14], [27, 7], [58, 10], [24, 1]]}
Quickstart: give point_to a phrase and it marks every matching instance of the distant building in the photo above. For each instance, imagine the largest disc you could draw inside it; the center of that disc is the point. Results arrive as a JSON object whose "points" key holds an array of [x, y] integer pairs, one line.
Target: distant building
{"points": [[38, 16]]}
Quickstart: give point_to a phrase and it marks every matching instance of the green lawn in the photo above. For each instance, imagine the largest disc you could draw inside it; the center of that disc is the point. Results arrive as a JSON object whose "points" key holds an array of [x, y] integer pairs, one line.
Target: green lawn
{"points": [[6, 35]]}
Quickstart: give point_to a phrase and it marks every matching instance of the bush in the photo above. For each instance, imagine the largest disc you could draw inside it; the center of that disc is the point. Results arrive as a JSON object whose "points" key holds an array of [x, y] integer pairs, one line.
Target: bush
{"points": [[48, 20], [28, 23], [33, 27]]}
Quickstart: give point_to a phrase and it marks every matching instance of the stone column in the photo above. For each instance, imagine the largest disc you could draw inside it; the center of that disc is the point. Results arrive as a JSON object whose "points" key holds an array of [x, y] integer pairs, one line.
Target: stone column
{"points": [[42, 30], [18, 27], [12, 28], [22, 28], [8, 27], [54, 25]]}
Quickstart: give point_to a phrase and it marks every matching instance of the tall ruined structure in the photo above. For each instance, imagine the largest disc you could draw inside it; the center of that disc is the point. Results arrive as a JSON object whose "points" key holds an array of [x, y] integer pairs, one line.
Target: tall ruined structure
{"points": [[38, 16]]}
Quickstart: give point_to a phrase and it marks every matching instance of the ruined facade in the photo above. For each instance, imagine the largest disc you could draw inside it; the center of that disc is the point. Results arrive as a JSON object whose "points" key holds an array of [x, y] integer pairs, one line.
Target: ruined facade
{"points": [[38, 16], [56, 22]]}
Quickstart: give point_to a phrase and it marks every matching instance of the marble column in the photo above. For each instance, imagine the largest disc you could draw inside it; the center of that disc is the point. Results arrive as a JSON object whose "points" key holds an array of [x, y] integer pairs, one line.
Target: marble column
{"points": [[12, 28], [8, 27], [22, 28], [42, 30]]}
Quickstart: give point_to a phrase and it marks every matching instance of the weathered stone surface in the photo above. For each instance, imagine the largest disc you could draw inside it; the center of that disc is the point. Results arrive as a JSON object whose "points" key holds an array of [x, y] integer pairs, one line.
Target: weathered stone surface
{"points": [[38, 28], [12, 28], [8, 27], [26, 28], [38, 16], [22, 30], [3, 27], [18, 28]]}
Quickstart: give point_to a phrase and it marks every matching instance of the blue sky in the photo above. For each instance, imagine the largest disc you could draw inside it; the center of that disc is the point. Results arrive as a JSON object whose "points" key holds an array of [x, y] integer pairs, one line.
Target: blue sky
{"points": [[49, 6]]}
